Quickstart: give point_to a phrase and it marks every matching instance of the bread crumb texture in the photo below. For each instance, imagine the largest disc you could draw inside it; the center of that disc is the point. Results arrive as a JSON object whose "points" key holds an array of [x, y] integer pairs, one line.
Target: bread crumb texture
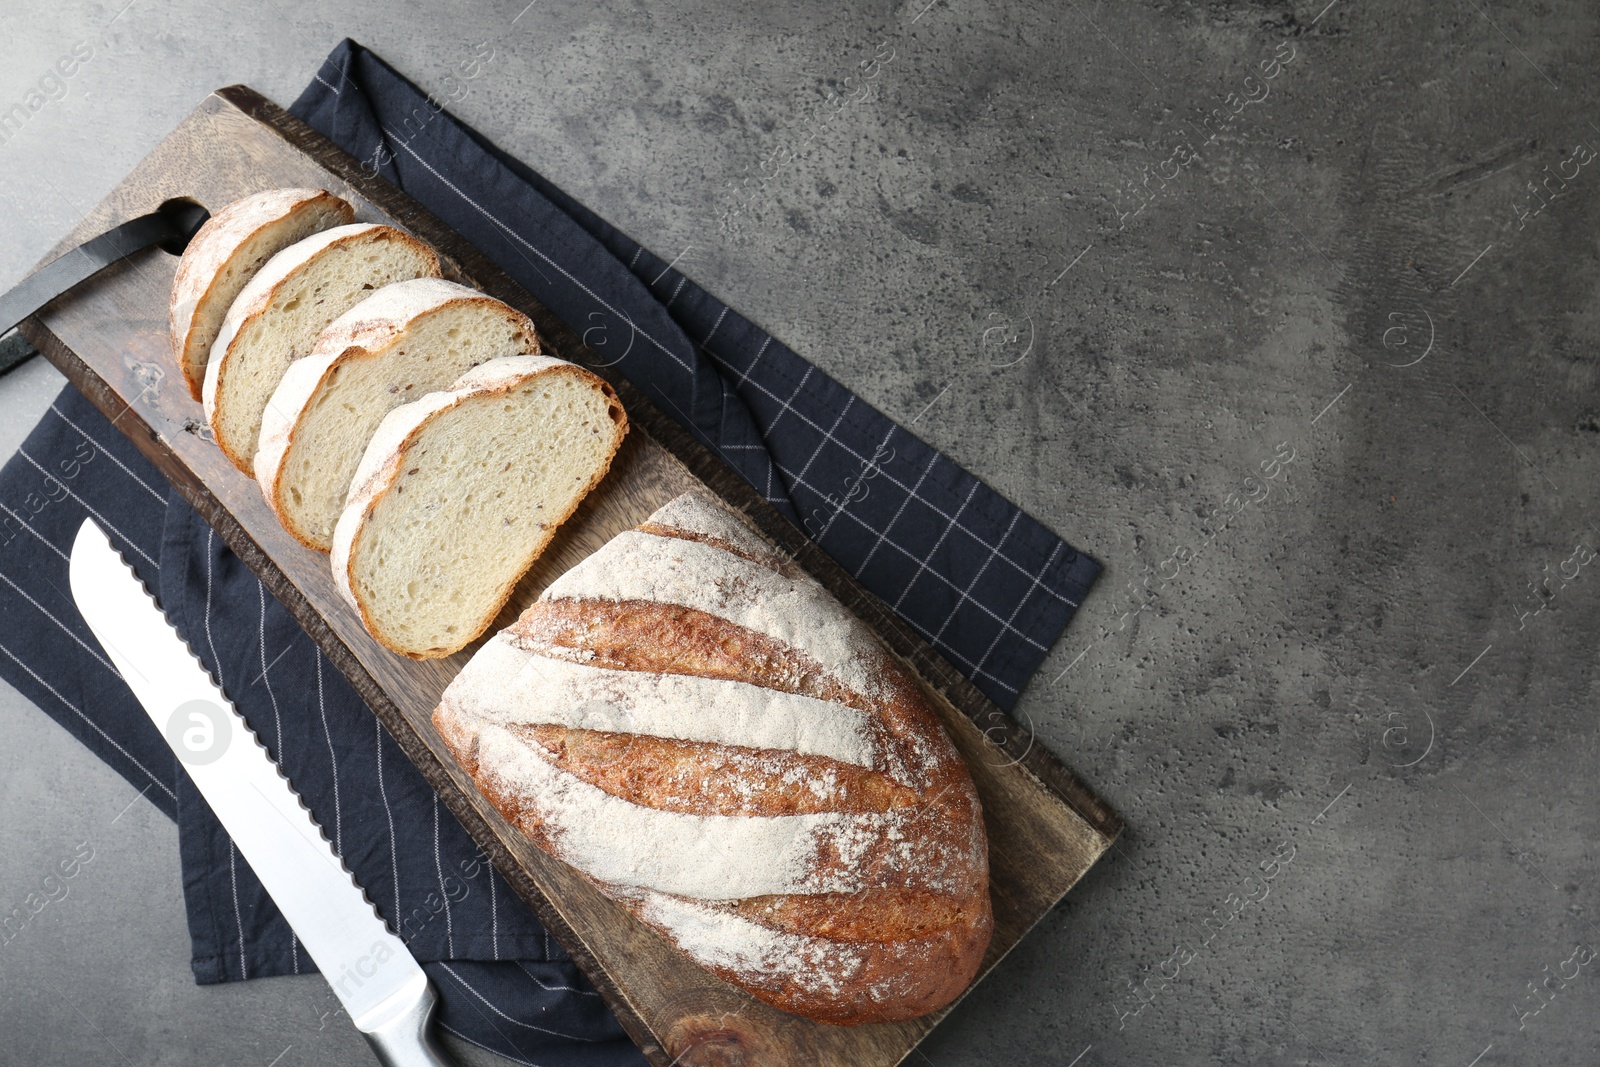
{"points": [[458, 494], [402, 342], [279, 313]]}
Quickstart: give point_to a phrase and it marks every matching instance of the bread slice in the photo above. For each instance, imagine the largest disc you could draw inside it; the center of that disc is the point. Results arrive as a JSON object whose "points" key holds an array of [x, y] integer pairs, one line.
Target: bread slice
{"points": [[279, 313], [227, 252], [459, 492], [405, 340]]}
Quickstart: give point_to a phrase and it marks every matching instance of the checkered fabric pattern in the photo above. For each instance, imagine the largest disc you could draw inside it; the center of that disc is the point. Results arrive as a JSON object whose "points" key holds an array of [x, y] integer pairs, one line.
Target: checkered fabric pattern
{"points": [[987, 585]]}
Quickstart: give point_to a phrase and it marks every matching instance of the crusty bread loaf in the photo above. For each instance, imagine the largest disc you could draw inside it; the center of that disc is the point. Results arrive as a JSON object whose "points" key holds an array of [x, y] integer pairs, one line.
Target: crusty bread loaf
{"points": [[227, 252], [714, 741], [402, 342], [459, 492], [278, 314]]}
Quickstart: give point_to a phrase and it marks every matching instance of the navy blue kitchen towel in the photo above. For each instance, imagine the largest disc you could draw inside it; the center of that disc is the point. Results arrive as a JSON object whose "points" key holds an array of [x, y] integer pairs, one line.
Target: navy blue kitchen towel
{"points": [[987, 585]]}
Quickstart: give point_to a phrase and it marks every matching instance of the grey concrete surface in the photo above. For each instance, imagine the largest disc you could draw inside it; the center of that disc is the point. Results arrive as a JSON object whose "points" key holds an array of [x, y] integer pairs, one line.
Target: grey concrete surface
{"points": [[1355, 760]]}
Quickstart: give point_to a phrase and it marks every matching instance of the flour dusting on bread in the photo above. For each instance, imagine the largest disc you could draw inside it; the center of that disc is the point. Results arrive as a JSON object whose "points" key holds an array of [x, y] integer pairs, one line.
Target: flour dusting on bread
{"points": [[693, 574], [532, 689], [701, 730]]}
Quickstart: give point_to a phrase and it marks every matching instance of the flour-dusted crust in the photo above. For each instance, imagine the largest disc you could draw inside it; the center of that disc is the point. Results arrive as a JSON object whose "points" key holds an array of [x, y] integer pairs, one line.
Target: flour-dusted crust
{"points": [[226, 252], [259, 293], [701, 730], [386, 458], [368, 330]]}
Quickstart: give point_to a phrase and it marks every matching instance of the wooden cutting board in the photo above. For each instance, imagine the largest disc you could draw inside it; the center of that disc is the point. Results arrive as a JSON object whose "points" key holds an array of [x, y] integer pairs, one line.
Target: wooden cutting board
{"points": [[1046, 829]]}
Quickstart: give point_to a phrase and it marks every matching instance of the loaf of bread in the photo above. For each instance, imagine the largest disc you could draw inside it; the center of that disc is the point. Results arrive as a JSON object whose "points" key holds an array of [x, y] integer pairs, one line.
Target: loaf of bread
{"points": [[400, 343], [697, 727], [227, 252], [459, 492], [278, 315]]}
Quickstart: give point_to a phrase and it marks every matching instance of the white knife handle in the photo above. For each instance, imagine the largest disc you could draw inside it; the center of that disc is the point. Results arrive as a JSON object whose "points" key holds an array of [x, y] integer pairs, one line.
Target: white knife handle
{"points": [[408, 1039]]}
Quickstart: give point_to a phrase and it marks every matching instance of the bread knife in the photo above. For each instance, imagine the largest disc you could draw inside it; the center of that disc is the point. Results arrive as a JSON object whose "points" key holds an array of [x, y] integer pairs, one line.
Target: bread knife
{"points": [[382, 987]]}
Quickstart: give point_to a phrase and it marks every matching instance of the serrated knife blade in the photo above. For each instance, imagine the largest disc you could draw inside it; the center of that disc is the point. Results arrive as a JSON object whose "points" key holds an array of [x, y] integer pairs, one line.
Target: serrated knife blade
{"points": [[374, 975]]}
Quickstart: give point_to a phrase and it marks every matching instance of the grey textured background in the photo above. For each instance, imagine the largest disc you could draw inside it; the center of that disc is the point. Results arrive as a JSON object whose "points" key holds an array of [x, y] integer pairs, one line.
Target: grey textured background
{"points": [[1342, 677]]}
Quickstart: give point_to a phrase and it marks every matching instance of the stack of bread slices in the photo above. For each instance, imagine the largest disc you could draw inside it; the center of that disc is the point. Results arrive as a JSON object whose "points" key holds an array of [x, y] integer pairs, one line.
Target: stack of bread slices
{"points": [[407, 425]]}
